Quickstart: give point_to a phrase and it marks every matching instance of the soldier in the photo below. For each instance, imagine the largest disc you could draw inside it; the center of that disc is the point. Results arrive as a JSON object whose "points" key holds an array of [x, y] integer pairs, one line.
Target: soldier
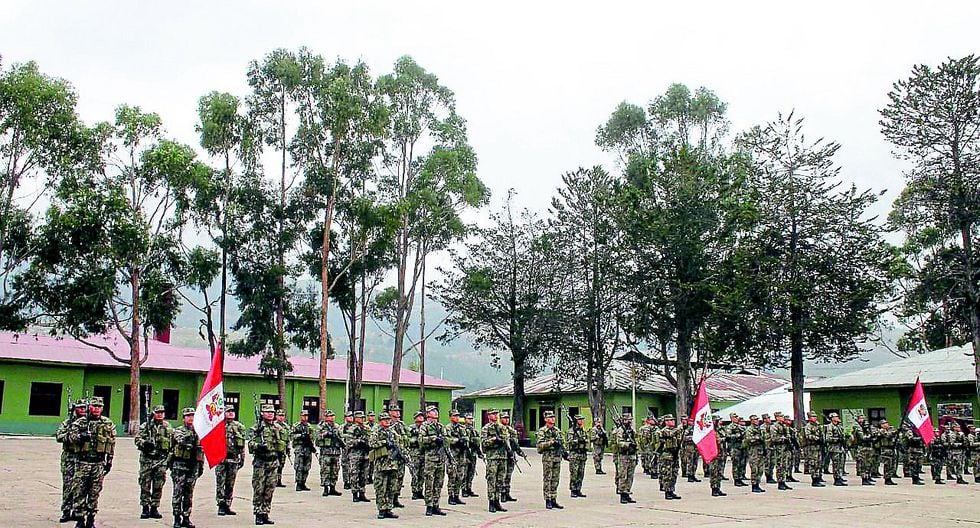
{"points": [[226, 472], [689, 451], [495, 451], [473, 452], [345, 455], [768, 453], [551, 446], [647, 445], [371, 424], [915, 449], [836, 442], [303, 449], [755, 446], [973, 442], [670, 439], [399, 430], [875, 450], [457, 439], [716, 468], [864, 441], [186, 463], [599, 440], [513, 441], [937, 456], [283, 428], [415, 455], [265, 444], [69, 458], [888, 443], [779, 444], [624, 453], [386, 456], [812, 442], [153, 443], [95, 436], [735, 436], [721, 433], [578, 449], [955, 443], [357, 439], [432, 442], [331, 443]]}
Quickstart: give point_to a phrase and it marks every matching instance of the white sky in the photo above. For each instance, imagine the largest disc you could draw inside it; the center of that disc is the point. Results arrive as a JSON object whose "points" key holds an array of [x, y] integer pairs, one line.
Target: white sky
{"points": [[533, 79]]}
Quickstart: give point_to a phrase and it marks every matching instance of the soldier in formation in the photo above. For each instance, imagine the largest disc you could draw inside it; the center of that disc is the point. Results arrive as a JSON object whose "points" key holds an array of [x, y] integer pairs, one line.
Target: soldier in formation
{"points": [[266, 444], [915, 449], [973, 443], [550, 444], [888, 452], [186, 464], [954, 442], [473, 452], [370, 422], [356, 437], [735, 434], [716, 468], [95, 438], [345, 455], [863, 440], [399, 430], [329, 439], [812, 441], [689, 451], [226, 472], [669, 439], [285, 453], [646, 442], [304, 449], [153, 443], [599, 440], [514, 451], [835, 441], [387, 458], [495, 443], [624, 447], [578, 442], [69, 459], [755, 446], [458, 439], [414, 454], [780, 448], [432, 443]]}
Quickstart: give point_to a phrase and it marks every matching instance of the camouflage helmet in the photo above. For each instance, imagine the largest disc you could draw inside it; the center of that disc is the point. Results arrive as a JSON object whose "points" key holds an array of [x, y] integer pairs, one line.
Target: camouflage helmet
{"points": [[419, 414], [579, 417], [95, 401], [358, 414], [384, 416], [281, 412], [188, 411], [329, 413], [667, 417], [469, 416], [304, 412], [81, 402], [549, 414], [268, 407], [160, 409]]}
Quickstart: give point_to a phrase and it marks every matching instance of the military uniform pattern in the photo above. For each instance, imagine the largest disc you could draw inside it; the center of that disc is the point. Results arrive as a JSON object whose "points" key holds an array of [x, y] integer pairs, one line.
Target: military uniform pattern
{"points": [[458, 440], [915, 450], [689, 453], [670, 443], [955, 444], [835, 442], [812, 442], [226, 473], [431, 441], [755, 446], [357, 436], [599, 439], [415, 462], [265, 444], [623, 440], [578, 449], [96, 438], [515, 446], [472, 454], [937, 457], [385, 466], [303, 447], [646, 443], [548, 440], [330, 442], [888, 445], [780, 448], [185, 460], [69, 459], [153, 442], [399, 429], [735, 436], [495, 442]]}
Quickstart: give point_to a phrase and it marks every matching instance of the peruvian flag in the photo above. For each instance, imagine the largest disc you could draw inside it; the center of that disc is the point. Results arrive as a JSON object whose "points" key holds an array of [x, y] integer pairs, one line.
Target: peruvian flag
{"points": [[918, 414], [209, 419], [705, 437]]}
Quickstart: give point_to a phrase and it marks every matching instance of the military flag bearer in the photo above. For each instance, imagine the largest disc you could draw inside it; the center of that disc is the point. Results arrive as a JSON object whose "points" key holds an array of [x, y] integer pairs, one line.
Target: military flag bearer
{"points": [[186, 463], [153, 443], [226, 472]]}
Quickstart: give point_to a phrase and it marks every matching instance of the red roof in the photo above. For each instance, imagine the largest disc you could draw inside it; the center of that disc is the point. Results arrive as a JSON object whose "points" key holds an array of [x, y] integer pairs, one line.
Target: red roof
{"points": [[49, 349]]}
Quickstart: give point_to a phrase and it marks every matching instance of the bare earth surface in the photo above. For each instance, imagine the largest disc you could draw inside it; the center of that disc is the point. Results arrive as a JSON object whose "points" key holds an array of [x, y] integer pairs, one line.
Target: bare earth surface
{"points": [[30, 495]]}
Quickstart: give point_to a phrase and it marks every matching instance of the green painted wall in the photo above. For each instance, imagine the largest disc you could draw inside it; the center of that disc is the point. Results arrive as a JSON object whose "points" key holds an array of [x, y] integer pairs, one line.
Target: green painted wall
{"points": [[894, 400], [18, 376]]}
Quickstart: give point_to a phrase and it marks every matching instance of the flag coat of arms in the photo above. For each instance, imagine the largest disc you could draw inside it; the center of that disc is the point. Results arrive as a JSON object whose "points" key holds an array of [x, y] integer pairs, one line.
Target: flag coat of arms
{"points": [[209, 419], [918, 414], [704, 435]]}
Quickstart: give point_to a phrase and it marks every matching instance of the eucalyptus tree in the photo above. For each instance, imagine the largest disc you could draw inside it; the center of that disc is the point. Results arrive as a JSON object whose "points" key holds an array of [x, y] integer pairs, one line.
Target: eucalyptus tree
{"points": [[933, 120], [108, 258], [431, 180]]}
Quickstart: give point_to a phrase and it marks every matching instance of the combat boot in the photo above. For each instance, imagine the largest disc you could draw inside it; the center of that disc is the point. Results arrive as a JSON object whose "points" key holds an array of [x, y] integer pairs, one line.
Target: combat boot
{"points": [[499, 507], [258, 520], [622, 499], [326, 492], [390, 514], [228, 511], [334, 492], [221, 509], [976, 479], [757, 489], [299, 487], [436, 510], [416, 495], [145, 514], [917, 481], [960, 480], [188, 523], [428, 511], [266, 520], [670, 495], [178, 521], [839, 482], [629, 498], [80, 522], [66, 516], [739, 483], [716, 492], [866, 482], [784, 487], [452, 500], [547, 504], [155, 513], [491, 507], [791, 478], [280, 484], [692, 478], [770, 480], [555, 505], [890, 482], [817, 483], [397, 503], [90, 521]]}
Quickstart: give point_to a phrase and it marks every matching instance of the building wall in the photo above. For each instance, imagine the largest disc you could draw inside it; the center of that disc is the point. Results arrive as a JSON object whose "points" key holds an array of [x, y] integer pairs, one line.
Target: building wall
{"points": [[82, 381], [894, 400]]}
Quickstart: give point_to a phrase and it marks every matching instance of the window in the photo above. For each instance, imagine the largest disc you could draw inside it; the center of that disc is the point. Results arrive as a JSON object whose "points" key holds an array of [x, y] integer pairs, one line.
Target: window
{"points": [[532, 421], [232, 399], [171, 401], [401, 405], [1, 396], [45, 399], [627, 409], [312, 405], [269, 399], [876, 414], [145, 392], [361, 405], [104, 392]]}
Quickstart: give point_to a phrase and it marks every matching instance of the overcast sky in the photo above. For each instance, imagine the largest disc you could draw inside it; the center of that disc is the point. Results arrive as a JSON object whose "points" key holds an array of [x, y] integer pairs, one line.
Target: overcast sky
{"points": [[533, 79]]}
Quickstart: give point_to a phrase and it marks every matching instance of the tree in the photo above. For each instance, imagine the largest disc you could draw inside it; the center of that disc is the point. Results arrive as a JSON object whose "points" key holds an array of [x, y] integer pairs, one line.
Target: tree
{"points": [[502, 292], [429, 190], [107, 256], [933, 119], [40, 135], [819, 267]]}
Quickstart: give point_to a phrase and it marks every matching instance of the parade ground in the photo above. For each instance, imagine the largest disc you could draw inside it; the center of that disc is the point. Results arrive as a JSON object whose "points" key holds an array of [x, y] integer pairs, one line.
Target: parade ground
{"points": [[30, 495]]}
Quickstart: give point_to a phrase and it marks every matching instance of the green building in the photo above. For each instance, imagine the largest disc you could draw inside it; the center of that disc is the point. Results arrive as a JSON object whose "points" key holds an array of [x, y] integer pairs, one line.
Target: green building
{"points": [[654, 395], [39, 373], [947, 377]]}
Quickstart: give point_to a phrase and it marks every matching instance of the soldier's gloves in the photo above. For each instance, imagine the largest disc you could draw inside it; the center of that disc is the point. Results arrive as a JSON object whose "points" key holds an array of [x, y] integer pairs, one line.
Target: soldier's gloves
{"points": [[108, 467], [439, 441]]}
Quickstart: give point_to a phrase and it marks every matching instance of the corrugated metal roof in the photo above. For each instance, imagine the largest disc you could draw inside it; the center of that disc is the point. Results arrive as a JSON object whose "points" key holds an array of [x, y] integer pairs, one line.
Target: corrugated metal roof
{"points": [[948, 365], [164, 356], [721, 385]]}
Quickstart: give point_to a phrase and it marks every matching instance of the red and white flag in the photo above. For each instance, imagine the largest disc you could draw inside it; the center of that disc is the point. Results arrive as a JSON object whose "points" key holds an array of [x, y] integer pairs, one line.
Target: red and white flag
{"points": [[704, 435], [918, 414], [209, 419]]}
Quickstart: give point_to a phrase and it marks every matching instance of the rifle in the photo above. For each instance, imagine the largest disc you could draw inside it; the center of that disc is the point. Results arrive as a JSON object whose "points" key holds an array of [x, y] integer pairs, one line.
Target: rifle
{"points": [[331, 431], [443, 450], [394, 450], [71, 405]]}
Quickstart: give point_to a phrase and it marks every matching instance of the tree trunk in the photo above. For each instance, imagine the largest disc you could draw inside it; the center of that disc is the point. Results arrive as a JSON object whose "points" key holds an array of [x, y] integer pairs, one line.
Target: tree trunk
{"points": [[359, 366], [224, 257], [279, 349], [972, 300], [134, 358], [683, 373], [422, 342], [796, 363], [325, 303], [400, 313], [520, 398]]}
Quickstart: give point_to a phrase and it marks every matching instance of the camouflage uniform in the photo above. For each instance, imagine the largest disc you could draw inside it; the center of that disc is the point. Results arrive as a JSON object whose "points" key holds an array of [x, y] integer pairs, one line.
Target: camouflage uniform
{"points": [[768, 453], [550, 444], [345, 454], [755, 446], [186, 463], [716, 468], [69, 459], [812, 441], [303, 450], [386, 457], [284, 428], [915, 450], [495, 444], [864, 440], [955, 443], [888, 445], [689, 452], [265, 443], [578, 449], [331, 443], [96, 441], [670, 438], [937, 457], [835, 442], [599, 440], [226, 473], [356, 437], [973, 442], [457, 440], [153, 443], [646, 442], [779, 434], [432, 442], [399, 430], [735, 434], [414, 455], [515, 449], [623, 442], [473, 452]]}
